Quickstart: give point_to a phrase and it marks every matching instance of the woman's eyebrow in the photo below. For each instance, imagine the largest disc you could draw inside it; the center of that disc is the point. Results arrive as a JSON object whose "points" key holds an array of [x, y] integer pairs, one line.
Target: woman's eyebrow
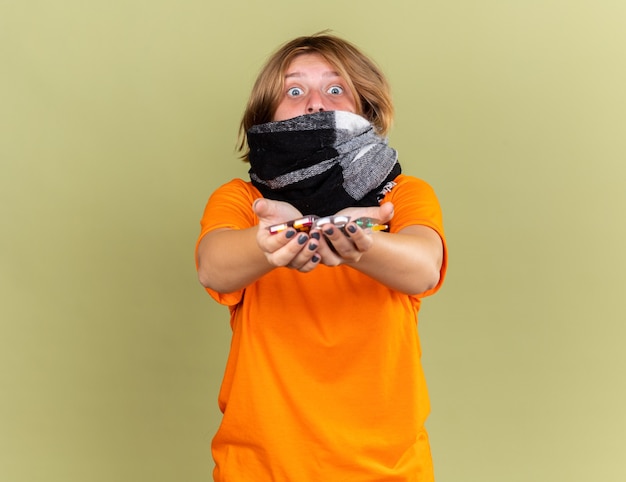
{"points": [[330, 73]]}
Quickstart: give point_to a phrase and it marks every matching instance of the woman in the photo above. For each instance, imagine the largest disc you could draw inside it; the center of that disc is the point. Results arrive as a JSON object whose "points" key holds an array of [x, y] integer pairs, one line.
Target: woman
{"points": [[323, 379]]}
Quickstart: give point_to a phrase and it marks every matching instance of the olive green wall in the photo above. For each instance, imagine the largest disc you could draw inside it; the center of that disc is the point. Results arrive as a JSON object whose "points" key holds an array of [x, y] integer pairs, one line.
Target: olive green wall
{"points": [[118, 118]]}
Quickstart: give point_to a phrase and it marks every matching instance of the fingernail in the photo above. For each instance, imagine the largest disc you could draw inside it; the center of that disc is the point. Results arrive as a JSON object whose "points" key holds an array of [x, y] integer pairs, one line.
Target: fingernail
{"points": [[315, 235], [289, 234], [302, 239], [312, 246], [352, 228], [315, 258], [329, 231]]}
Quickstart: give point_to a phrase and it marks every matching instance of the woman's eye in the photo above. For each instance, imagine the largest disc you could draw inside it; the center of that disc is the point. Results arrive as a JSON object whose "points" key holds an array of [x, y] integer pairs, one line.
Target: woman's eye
{"points": [[294, 91], [335, 90]]}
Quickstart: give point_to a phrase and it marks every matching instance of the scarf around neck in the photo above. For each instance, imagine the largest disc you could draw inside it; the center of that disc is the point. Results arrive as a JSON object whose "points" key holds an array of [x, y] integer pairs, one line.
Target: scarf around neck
{"points": [[321, 163]]}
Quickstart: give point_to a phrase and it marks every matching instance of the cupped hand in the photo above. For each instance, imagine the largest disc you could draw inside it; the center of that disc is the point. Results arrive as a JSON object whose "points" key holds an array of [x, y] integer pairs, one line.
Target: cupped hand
{"points": [[347, 245], [296, 250]]}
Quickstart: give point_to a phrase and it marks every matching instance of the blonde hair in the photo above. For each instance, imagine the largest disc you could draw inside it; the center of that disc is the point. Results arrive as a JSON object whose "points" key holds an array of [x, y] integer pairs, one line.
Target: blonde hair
{"points": [[365, 79]]}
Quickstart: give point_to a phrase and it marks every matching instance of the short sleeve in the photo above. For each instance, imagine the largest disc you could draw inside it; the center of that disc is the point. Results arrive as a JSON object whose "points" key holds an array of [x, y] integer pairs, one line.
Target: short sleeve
{"points": [[415, 203], [230, 206]]}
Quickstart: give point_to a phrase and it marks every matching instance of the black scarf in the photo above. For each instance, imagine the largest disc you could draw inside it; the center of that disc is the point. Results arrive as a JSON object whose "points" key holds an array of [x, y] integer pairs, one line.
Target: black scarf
{"points": [[321, 163]]}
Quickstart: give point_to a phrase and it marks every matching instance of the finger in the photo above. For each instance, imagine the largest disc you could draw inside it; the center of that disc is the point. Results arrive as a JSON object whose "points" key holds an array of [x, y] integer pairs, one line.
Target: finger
{"points": [[260, 207], [361, 238], [272, 212], [313, 263], [386, 212], [308, 258], [383, 213], [308, 251], [285, 254], [342, 244], [266, 211], [327, 254]]}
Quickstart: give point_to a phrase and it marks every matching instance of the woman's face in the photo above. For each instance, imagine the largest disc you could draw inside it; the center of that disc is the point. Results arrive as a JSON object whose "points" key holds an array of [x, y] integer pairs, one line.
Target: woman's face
{"points": [[313, 85]]}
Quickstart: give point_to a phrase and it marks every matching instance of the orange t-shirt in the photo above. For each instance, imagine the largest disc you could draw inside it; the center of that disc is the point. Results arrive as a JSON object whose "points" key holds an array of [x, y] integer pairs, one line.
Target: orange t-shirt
{"points": [[323, 381]]}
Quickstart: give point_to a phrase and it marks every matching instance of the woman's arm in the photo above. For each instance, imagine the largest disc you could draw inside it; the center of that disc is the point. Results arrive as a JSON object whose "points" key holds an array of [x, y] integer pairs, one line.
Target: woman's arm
{"points": [[231, 259], [408, 261]]}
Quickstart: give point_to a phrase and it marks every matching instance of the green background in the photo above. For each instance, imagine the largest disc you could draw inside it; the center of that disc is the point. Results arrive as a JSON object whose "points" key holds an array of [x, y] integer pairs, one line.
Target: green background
{"points": [[119, 118]]}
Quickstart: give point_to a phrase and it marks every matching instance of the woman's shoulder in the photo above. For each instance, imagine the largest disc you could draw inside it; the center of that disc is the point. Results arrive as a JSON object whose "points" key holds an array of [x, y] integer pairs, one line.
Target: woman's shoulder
{"points": [[404, 184], [238, 183], [408, 180], [415, 202], [237, 187]]}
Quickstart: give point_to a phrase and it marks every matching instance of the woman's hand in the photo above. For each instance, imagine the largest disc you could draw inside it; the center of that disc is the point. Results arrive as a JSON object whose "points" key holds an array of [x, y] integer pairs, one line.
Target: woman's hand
{"points": [[290, 248], [348, 245]]}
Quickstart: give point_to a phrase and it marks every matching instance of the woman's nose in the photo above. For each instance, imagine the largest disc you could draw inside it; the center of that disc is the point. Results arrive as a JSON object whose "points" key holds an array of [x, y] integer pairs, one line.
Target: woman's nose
{"points": [[315, 103]]}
